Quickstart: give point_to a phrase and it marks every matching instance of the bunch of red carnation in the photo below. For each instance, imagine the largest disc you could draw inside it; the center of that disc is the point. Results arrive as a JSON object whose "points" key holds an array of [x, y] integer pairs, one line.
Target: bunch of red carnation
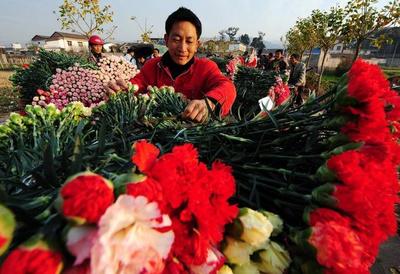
{"points": [[195, 198], [361, 186], [279, 92]]}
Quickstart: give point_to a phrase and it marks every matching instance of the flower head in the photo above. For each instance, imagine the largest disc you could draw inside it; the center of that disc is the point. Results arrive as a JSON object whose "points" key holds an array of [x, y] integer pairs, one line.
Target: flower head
{"points": [[85, 197], [133, 237], [7, 227], [32, 257]]}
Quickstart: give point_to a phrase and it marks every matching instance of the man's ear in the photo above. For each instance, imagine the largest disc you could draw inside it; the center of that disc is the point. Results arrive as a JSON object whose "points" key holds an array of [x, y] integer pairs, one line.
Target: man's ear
{"points": [[166, 39], [198, 44]]}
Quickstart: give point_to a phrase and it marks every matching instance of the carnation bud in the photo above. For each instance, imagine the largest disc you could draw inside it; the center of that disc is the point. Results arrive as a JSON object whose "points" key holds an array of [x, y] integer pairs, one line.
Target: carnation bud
{"points": [[7, 228]]}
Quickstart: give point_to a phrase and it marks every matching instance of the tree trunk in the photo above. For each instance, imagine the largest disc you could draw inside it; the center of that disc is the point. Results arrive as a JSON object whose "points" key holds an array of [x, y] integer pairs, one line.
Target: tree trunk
{"points": [[322, 69], [358, 48], [309, 58]]}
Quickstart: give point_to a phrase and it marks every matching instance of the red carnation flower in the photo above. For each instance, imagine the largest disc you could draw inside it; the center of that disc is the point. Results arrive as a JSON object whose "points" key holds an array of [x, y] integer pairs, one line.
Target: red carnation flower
{"points": [[86, 197], [195, 198], [145, 155], [37, 259], [338, 245]]}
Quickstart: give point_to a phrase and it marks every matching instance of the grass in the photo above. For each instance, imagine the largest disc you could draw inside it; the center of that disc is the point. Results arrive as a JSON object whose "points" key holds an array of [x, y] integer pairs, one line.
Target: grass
{"points": [[390, 72], [8, 97]]}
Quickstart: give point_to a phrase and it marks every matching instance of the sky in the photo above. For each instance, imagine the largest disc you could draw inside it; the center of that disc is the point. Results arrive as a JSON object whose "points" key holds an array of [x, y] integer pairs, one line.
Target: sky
{"points": [[20, 20]]}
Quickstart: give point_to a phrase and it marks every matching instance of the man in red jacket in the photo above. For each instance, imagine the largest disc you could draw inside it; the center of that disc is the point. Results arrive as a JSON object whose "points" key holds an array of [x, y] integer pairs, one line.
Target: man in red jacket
{"points": [[199, 80]]}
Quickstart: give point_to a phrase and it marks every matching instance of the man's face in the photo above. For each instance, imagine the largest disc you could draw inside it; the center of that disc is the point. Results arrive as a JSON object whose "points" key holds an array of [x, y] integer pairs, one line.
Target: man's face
{"points": [[155, 53], [292, 60], [182, 42], [278, 55], [97, 48]]}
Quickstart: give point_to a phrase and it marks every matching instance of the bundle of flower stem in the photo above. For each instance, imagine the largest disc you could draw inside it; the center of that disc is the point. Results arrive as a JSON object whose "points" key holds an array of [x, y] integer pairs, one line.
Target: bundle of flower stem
{"points": [[328, 168], [332, 160], [251, 85]]}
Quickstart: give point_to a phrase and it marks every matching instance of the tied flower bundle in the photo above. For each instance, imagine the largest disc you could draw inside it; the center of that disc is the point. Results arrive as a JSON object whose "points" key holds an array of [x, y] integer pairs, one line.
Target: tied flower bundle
{"points": [[333, 160], [71, 85], [248, 246], [113, 67], [253, 84], [360, 185], [195, 198]]}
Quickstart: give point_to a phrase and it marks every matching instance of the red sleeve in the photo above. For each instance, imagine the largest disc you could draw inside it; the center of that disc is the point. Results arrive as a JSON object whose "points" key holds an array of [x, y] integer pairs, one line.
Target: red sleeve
{"points": [[139, 80], [143, 78], [220, 88]]}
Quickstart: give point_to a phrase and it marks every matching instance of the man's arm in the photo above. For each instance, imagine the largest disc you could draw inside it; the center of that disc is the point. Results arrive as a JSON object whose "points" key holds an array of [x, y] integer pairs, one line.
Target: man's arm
{"points": [[301, 80], [141, 79], [219, 88]]}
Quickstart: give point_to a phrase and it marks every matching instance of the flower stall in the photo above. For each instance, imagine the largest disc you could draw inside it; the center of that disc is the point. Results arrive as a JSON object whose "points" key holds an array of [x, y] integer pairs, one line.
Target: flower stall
{"points": [[127, 186]]}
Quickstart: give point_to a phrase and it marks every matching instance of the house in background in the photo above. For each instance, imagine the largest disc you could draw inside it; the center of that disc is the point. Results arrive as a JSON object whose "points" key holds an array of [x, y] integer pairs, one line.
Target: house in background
{"points": [[39, 40], [62, 41]]}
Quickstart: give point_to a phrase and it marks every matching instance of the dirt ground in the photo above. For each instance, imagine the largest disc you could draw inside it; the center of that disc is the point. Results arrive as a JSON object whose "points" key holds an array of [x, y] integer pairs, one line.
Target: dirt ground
{"points": [[4, 75]]}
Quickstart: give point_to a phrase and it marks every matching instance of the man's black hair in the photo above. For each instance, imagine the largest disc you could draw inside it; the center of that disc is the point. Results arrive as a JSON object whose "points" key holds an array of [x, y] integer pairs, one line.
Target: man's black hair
{"points": [[156, 50], [183, 14], [279, 50], [130, 50], [295, 56]]}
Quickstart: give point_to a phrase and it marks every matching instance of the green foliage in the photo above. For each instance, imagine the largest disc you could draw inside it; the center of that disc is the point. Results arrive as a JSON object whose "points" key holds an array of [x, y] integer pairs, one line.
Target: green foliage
{"points": [[231, 32], [38, 75], [251, 85], [301, 37], [327, 82], [221, 63], [363, 19], [9, 99], [344, 66], [258, 42], [245, 39], [85, 17]]}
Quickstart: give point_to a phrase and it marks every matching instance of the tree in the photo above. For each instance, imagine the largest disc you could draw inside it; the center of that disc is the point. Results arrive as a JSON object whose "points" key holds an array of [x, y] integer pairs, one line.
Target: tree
{"points": [[231, 32], [85, 17], [146, 31], [309, 35], [222, 34], [258, 42], [245, 39], [327, 26], [363, 20]]}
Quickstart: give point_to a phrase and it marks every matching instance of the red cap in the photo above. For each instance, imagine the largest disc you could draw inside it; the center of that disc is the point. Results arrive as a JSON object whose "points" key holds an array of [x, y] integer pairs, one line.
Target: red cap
{"points": [[95, 40]]}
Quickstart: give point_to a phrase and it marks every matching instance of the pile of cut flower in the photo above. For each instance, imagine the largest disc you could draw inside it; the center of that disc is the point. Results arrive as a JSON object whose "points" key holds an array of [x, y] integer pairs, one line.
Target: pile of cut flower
{"points": [[328, 168]]}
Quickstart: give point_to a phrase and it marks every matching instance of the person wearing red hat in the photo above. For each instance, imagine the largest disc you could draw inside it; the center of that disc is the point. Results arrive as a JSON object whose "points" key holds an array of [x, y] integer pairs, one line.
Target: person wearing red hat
{"points": [[95, 48]]}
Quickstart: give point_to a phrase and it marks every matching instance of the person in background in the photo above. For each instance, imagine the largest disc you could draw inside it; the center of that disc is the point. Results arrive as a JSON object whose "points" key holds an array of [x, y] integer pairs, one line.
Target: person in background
{"points": [[279, 64], [297, 77], [130, 56], [199, 79], [251, 59], [95, 48], [269, 62], [156, 53], [140, 60]]}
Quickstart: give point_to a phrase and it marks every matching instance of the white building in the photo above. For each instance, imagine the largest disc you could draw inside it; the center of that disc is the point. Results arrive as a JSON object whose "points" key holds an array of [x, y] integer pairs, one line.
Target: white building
{"points": [[62, 41], [237, 47], [39, 40]]}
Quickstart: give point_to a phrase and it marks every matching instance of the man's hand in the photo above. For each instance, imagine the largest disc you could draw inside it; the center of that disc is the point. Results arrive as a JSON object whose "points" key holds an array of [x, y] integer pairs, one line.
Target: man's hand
{"points": [[115, 86], [197, 110]]}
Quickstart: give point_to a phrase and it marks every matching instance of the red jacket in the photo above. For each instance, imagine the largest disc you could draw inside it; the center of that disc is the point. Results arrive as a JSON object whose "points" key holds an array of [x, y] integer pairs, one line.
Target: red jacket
{"points": [[203, 78]]}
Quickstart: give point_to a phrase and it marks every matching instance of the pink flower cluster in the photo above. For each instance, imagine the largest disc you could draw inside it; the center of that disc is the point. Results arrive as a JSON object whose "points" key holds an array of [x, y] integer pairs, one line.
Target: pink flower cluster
{"points": [[113, 67], [71, 85]]}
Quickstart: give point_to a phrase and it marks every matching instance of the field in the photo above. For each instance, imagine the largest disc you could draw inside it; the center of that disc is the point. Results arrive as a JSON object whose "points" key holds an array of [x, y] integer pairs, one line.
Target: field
{"points": [[8, 98]]}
